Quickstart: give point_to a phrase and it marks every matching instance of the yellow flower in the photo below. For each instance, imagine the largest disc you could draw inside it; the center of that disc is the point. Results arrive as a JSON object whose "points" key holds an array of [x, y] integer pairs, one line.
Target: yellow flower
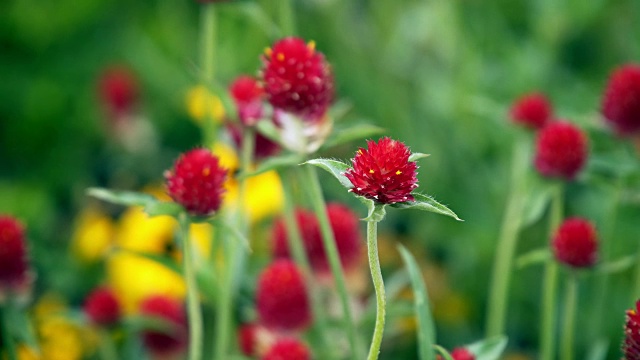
{"points": [[27, 353], [92, 236], [202, 104], [141, 233]]}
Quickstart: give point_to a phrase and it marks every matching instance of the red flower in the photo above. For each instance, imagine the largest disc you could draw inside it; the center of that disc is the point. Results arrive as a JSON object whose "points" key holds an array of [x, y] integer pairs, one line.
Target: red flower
{"points": [[297, 78], [247, 339], [345, 226], [383, 172], [281, 298], [532, 110], [102, 307], [168, 342], [288, 349], [621, 100], [13, 255], [462, 354], [575, 243], [196, 182], [119, 92], [631, 344], [561, 150], [263, 148], [247, 94]]}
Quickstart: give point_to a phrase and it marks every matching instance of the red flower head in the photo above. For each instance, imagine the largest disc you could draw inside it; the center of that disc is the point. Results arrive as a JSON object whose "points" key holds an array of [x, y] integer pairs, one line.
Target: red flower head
{"points": [[631, 344], [281, 298], [575, 243], [288, 349], [263, 148], [561, 150], [196, 182], [462, 354], [532, 110], [345, 226], [383, 172], [297, 78], [13, 255], [102, 307], [621, 100], [247, 338], [119, 92], [170, 310], [247, 94]]}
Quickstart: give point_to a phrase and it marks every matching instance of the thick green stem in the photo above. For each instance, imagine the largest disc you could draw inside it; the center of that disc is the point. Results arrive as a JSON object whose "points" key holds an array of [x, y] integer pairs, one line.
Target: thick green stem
{"points": [[107, 348], [7, 338], [511, 222], [193, 303], [548, 326], [570, 301], [287, 22], [378, 285], [207, 59], [329, 243]]}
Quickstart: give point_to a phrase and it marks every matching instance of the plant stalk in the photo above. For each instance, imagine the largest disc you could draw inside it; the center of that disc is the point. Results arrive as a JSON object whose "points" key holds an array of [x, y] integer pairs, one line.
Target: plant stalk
{"points": [[378, 285], [571, 299], [193, 303], [207, 58], [7, 339], [286, 14]]}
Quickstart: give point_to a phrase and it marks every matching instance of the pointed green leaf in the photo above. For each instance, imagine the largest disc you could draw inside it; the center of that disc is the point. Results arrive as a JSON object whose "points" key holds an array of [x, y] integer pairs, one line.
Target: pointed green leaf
{"points": [[274, 163], [128, 198], [445, 354], [617, 266], [426, 328], [335, 168], [426, 203], [159, 208], [488, 349], [269, 129], [417, 156], [537, 201], [356, 132], [533, 257]]}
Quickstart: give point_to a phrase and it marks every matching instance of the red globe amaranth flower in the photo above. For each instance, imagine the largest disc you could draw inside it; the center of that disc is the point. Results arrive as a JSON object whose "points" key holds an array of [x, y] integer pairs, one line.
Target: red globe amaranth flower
{"points": [[532, 110], [383, 172], [118, 89], [13, 255], [196, 182], [102, 307], [631, 344], [170, 310], [247, 338], [281, 298], [621, 100], [346, 231], [288, 349], [297, 78], [561, 150], [247, 95], [263, 146], [575, 243], [462, 354]]}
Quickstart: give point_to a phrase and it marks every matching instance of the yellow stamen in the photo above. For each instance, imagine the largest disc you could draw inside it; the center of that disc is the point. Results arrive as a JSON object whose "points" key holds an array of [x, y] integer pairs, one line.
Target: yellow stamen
{"points": [[280, 56], [371, 171], [360, 151], [268, 51], [311, 45], [398, 172], [206, 171]]}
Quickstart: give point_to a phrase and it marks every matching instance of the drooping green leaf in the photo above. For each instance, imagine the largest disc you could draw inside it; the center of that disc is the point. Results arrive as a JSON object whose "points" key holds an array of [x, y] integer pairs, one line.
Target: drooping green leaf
{"points": [[159, 208], [356, 132], [335, 168], [539, 197], [533, 257], [426, 328], [340, 109], [617, 266], [274, 163], [488, 349], [128, 198], [445, 354], [417, 156], [258, 16], [426, 203]]}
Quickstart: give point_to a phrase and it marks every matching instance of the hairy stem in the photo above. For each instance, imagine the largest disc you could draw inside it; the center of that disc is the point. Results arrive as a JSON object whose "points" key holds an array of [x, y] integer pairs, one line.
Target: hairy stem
{"points": [[378, 285]]}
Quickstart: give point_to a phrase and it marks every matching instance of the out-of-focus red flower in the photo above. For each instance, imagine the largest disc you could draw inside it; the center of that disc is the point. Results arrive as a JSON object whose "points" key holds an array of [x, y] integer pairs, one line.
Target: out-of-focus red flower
{"points": [[462, 354], [621, 100], [263, 148], [532, 110], [575, 243], [119, 91], [196, 182], [297, 78], [561, 150], [247, 94], [247, 338], [175, 339], [102, 307], [14, 267], [288, 349], [631, 344], [383, 172]]}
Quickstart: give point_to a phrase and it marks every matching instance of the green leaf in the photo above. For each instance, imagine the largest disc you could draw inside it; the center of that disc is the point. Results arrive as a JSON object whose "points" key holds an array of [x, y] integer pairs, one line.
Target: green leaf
{"points": [[617, 266], [598, 350], [355, 132], [537, 201], [375, 211], [426, 328], [488, 349], [128, 198], [335, 168], [137, 323], [445, 354], [274, 163], [533, 257], [159, 208], [417, 156], [269, 129], [233, 231], [426, 203]]}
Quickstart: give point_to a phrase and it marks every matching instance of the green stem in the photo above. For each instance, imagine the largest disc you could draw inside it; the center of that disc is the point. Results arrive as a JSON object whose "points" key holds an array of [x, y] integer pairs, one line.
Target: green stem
{"points": [[329, 243], [511, 222], [378, 285], [107, 348], [548, 326], [225, 301], [571, 298], [287, 23], [7, 338], [208, 53], [193, 304]]}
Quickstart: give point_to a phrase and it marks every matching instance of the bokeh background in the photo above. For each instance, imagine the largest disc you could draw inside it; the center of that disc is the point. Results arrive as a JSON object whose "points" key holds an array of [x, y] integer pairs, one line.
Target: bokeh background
{"points": [[438, 75]]}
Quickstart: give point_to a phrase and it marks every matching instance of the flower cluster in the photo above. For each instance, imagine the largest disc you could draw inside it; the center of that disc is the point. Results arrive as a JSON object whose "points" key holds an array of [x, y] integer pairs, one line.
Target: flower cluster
{"points": [[631, 344], [621, 100], [14, 266], [561, 150], [533, 111], [575, 243]]}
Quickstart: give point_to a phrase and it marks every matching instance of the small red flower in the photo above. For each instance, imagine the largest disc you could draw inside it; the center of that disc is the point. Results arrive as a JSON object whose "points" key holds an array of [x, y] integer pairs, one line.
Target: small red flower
{"points": [[346, 231], [532, 110], [247, 338], [561, 150], [631, 344], [575, 243], [383, 172], [196, 182], [170, 310], [288, 349], [462, 354], [14, 266], [102, 307], [621, 100], [281, 298], [297, 78], [263, 148], [247, 95], [119, 92]]}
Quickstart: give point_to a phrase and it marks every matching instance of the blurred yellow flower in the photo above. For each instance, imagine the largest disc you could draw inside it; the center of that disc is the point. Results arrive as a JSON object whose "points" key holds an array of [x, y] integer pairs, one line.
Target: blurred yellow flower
{"points": [[93, 235], [141, 233], [27, 353], [202, 104]]}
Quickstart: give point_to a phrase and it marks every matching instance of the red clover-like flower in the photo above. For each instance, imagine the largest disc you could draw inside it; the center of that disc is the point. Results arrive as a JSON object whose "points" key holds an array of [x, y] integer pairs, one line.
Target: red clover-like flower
{"points": [[575, 243], [462, 354], [288, 349], [282, 300], [102, 307], [297, 78], [561, 150], [196, 182], [118, 90], [170, 310], [532, 111], [14, 266], [621, 100], [631, 344], [383, 172], [247, 95], [247, 338]]}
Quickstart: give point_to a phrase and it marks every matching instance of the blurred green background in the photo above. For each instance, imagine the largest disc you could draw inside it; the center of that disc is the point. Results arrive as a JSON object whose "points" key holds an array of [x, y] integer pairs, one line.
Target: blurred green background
{"points": [[438, 75]]}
